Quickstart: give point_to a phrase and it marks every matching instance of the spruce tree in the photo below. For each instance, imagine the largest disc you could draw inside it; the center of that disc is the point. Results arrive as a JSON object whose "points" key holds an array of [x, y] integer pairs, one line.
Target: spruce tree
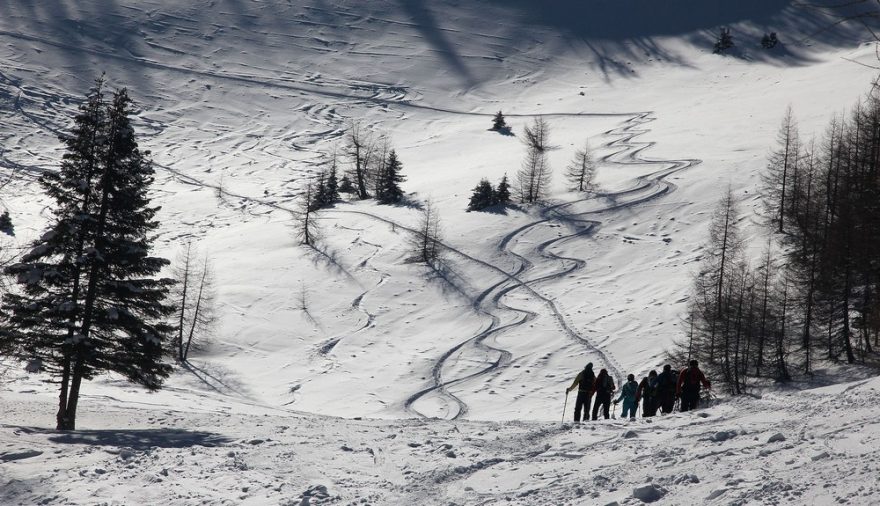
{"points": [[90, 301], [345, 185], [724, 42], [498, 122], [502, 193], [388, 189], [319, 198], [6, 223], [482, 197], [331, 192]]}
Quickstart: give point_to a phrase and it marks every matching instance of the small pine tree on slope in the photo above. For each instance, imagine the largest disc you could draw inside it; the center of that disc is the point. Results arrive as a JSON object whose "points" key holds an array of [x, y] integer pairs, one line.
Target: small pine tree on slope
{"points": [[388, 190], [498, 122], [482, 197], [502, 193], [332, 191]]}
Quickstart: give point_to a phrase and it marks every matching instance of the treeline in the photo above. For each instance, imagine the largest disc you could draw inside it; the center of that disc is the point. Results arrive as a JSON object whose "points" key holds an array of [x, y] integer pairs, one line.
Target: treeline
{"points": [[813, 294]]}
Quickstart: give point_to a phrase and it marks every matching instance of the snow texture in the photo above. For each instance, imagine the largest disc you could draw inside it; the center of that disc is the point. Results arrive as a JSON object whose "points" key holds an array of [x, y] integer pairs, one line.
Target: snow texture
{"points": [[344, 374]]}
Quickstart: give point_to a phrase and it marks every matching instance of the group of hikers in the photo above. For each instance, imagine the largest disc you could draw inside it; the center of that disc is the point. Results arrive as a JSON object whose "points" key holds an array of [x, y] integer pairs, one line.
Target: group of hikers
{"points": [[655, 391]]}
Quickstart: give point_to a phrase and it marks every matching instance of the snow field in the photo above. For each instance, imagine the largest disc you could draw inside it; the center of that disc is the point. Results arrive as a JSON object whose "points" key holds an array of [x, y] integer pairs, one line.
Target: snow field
{"points": [[457, 374]]}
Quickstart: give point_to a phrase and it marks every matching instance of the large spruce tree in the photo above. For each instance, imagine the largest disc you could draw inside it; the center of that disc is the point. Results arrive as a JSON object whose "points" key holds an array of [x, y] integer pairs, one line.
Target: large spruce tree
{"points": [[90, 301]]}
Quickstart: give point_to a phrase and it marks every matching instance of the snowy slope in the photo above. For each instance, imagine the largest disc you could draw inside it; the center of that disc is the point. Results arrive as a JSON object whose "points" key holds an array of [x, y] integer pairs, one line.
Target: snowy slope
{"points": [[786, 448], [240, 100]]}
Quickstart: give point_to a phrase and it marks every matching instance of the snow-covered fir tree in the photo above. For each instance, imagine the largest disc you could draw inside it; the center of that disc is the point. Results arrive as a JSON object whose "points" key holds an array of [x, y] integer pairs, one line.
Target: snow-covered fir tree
{"points": [[90, 299]]}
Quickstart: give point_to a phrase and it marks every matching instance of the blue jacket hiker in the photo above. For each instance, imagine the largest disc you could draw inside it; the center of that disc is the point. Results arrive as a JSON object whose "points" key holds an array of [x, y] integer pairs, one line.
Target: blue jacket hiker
{"points": [[628, 394]]}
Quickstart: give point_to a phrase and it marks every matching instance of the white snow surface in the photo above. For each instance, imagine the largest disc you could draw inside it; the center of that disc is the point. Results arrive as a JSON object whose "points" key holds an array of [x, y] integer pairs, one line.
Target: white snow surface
{"points": [[405, 385]]}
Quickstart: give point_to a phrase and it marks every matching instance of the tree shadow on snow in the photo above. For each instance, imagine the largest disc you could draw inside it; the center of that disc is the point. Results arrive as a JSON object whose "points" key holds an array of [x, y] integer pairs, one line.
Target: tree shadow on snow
{"points": [[330, 259], [216, 377], [450, 283], [622, 32], [501, 209], [505, 131], [409, 201], [137, 439]]}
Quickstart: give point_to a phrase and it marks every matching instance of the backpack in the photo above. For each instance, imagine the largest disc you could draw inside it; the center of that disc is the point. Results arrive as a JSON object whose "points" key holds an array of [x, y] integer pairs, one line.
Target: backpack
{"points": [[652, 387], [691, 379], [606, 386], [666, 382], [588, 377]]}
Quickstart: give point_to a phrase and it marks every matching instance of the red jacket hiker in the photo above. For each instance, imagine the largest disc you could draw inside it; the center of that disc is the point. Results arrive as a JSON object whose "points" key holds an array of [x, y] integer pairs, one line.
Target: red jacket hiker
{"points": [[691, 377], [688, 387]]}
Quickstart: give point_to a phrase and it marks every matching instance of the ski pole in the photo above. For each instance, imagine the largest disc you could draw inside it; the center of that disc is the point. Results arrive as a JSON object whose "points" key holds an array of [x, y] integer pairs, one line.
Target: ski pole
{"points": [[564, 407]]}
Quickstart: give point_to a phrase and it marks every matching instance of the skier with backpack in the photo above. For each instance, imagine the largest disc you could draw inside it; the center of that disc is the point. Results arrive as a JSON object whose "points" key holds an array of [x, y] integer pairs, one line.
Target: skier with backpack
{"points": [[666, 390], [604, 387], [688, 387], [647, 393], [628, 394], [584, 383]]}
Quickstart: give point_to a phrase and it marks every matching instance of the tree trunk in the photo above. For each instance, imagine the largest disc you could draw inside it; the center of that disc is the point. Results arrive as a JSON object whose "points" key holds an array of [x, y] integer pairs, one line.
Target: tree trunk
{"points": [[73, 397], [183, 296], [196, 311], [61, 416], [847, 342], [780, 341]]}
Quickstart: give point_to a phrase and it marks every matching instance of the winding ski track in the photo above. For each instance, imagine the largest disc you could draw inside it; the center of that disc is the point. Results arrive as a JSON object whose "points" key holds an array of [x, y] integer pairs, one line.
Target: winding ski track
{"points": [[645, 188]]}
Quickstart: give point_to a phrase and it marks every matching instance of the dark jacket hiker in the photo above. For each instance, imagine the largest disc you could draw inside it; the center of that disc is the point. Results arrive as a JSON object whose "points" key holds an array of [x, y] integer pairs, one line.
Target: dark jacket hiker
{"points": [[648, 393], [666, 382], [584, 383], [688, 388], [604, 387]]}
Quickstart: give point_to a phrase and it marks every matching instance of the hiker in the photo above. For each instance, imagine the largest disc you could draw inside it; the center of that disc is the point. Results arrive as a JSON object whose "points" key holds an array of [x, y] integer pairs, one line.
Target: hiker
{"points": [[628, 394], [584, 383], [647, 393], [666, 389], [604, 387], [688, 388]]}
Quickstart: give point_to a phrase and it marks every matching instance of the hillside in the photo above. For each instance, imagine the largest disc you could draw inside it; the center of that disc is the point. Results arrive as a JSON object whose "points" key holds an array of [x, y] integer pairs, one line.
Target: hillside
{"points": [[239, 102]]}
